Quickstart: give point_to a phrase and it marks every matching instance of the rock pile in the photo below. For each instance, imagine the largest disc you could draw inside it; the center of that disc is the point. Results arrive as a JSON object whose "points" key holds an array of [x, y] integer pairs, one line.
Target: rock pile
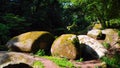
{"points": [[70, 46]]}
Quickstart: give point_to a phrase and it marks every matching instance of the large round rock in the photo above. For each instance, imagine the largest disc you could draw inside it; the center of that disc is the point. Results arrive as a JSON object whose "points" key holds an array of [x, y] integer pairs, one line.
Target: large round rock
{"points": [[93, 48], [66, 46], [31, 42], [94, 33], [111, 36]]}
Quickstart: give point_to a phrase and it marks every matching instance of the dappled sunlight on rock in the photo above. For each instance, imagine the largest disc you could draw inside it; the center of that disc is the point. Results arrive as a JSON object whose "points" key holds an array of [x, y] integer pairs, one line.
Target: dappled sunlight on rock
{"points": [[66, 46], [31, 42], [92, 44]]}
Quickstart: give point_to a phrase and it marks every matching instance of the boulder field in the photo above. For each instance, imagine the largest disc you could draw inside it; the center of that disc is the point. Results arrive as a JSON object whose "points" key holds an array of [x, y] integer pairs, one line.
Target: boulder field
{"points": [[69, 46]]}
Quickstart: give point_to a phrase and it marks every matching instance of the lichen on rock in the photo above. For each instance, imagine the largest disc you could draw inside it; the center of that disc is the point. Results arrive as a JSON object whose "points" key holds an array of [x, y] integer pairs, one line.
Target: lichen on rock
{"points": [[66, 46], [94, 33], [97, 26], [31, 42], [111, 36]]}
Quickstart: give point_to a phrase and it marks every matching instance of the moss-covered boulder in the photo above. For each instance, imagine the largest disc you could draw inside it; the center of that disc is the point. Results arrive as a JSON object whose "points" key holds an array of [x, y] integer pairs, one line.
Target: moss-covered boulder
{"points": [[66, 46], [31, 42], [94, 33], [112, 37], [97, 26], [92, 47]]}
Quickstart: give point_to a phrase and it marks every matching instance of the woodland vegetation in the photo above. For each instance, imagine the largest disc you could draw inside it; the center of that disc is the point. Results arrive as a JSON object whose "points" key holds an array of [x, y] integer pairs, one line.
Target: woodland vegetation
{"points": [[56, 16], [59, 17]]}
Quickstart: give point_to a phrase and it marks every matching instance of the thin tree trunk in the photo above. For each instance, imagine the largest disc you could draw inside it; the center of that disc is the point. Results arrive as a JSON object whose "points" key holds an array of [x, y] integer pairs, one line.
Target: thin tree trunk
{"points": [[102, 23]]}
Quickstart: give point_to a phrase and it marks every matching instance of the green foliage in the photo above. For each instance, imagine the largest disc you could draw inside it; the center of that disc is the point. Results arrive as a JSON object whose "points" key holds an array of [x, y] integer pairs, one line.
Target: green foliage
{"points": [[22, 16], [37, 64], [80, 60], [62, 62], [56, 16], [106, 45], [75, 40], [96, 10], [115, 23], [11, 18], [119, 33], [12, 25], [15, 21], [3, 48], [112, 62], [40, 52], [4, 33]]}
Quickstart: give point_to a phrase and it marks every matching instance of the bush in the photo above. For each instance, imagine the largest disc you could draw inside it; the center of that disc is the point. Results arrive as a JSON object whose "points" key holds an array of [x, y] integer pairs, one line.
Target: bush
{"points": [[114, 23], [40, 52], [4, 33], [3, 48], [112, 62], [119, 33], [11, 25], [80, 60], [106, 45]]}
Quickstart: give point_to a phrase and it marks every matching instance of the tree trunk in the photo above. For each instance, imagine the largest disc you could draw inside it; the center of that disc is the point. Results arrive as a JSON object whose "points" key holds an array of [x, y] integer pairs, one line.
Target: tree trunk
{"points": [[102, 23]]}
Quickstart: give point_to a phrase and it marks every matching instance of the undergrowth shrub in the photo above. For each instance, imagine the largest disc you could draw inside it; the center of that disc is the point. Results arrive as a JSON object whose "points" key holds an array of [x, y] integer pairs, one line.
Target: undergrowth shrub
{"points": [[106, 45], [114, 23], [112, 61], [40, 52]]}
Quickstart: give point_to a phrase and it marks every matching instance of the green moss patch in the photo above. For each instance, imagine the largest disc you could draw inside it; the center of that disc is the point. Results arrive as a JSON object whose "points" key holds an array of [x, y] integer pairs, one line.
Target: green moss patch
{"points": [[67, 46], [38, 64], [62, 62]]}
